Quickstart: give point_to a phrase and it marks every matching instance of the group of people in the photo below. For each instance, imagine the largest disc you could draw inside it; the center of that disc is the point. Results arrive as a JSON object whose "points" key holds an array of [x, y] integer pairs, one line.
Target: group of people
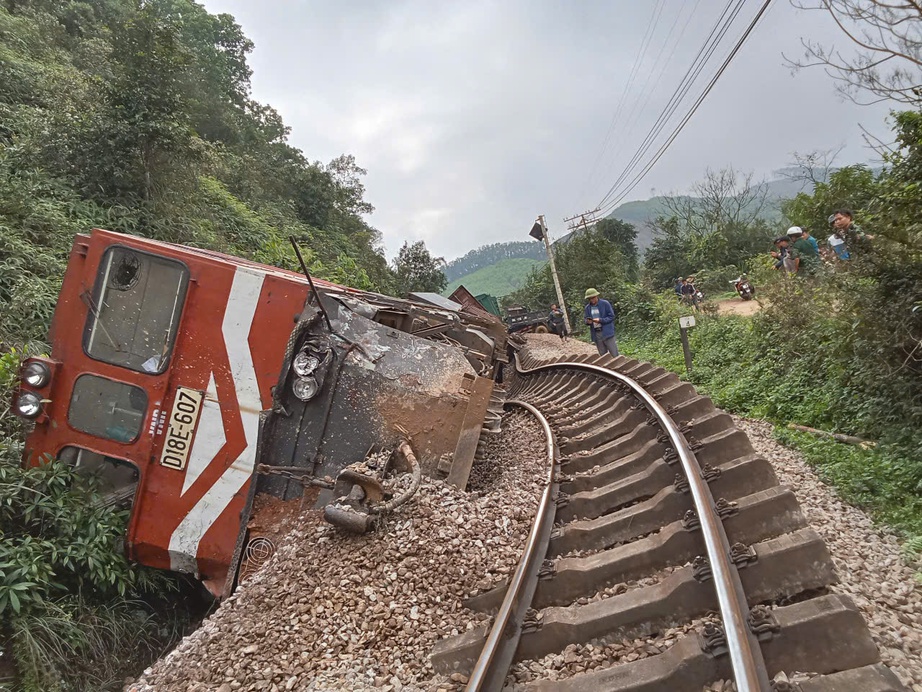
{"points": [[598, 314], [797, 252], [686, 291]]}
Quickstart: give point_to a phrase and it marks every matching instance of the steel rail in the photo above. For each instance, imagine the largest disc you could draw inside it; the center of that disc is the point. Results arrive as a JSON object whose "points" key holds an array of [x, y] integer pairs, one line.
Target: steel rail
{"points": [[746, 658], [492, 666]]}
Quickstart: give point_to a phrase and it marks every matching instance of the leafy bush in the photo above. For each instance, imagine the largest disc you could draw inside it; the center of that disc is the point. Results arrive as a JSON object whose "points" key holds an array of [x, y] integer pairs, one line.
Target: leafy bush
{"points": [[820, 355], [76, 614]]}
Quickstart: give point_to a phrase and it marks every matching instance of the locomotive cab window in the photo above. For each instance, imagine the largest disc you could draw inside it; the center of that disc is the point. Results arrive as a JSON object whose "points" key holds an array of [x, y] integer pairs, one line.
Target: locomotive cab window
{"points": [[115, 480], [106, 408], [135, 310]]}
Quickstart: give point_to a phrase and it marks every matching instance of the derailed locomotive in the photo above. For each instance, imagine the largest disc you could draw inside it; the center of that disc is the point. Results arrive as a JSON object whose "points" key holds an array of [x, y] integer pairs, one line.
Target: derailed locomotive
{"points": [[202, 388]]}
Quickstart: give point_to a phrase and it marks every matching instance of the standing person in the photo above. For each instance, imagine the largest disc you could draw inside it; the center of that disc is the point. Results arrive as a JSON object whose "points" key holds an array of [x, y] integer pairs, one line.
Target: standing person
{"points": [[806, 254], [688, 291], [556, 323], [679, 283], [600, 316], [810, 239], [842, 221], [782, 255]]}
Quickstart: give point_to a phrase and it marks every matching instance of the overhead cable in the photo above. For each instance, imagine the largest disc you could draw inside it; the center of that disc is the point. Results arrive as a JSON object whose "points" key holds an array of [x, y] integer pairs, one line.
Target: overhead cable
{"points": [[659, 153]]}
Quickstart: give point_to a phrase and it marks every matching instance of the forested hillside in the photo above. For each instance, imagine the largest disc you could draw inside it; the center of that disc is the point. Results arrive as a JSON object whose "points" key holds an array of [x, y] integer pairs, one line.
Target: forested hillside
{"points": [[138, 117], [769, 195], [498, 279], [487, 266], [487, 255]]}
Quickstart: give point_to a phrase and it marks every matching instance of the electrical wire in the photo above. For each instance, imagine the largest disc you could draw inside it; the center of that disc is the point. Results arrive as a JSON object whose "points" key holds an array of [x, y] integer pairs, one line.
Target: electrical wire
{"points": [[716, 35], [632, 118], [739, 44], [644, 45]]}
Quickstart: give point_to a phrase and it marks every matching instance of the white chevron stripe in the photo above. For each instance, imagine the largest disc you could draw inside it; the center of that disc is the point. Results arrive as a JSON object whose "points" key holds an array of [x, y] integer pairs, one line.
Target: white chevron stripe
{"points": [[209, 436], [238, 320]]}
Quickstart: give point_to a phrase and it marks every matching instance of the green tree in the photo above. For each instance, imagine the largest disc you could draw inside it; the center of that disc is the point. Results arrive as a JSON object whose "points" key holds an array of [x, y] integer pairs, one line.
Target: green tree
{"points": [[851, 187], [624, 237], [720, 227], [588, 259], [416, 270]]}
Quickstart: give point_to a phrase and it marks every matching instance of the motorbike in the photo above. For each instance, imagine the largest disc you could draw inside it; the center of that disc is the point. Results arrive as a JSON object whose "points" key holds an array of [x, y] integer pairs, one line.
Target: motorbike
{"points": [[745, 289]]}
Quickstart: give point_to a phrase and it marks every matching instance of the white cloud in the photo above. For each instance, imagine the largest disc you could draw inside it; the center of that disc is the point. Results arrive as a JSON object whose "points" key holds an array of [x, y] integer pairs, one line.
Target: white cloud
{"points": [[475, 117]]}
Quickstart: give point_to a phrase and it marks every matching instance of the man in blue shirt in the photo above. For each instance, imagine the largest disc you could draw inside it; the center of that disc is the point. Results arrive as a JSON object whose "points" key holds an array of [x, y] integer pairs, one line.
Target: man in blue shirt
{"points": [[679, 283], [600, 316]]}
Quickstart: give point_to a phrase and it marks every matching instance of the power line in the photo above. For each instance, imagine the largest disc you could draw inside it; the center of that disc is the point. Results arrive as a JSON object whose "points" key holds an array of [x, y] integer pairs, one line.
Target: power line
{"points": [[739, 44], [644, 92], [716, 35], [631, 120]]}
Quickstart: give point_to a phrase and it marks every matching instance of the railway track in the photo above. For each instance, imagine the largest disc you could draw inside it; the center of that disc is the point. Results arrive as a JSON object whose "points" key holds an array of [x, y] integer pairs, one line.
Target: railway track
{"points": [[657, 514]]}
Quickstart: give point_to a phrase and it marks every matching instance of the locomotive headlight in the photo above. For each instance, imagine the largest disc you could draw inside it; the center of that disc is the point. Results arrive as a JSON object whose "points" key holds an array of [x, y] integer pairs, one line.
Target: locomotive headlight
{"points": [[28, 405], [36, 374], [305, 388], [305, 363]]}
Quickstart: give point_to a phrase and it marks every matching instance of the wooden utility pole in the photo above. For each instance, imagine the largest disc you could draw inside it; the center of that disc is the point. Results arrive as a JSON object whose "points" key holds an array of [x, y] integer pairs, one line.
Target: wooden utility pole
{"points": [[586, 219], [550, 259]]}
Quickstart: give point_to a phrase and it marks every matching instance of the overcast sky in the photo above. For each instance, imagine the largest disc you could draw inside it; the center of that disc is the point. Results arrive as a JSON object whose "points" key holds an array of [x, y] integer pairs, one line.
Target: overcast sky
{"points": [[474, 117]]}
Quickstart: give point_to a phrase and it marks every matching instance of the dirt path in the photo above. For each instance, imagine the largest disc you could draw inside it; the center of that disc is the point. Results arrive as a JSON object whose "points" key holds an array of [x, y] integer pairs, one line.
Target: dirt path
{"points": [[738, 306]]}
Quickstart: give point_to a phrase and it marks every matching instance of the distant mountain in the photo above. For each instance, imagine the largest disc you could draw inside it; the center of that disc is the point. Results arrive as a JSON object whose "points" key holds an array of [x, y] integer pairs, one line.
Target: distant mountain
{"points": [[488, 255], [501, 268], [640, 214], [499, 279]]}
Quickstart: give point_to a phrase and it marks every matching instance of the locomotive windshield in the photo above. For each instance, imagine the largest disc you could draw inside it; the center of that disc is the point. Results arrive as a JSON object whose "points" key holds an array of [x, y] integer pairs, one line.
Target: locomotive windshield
{"points": [[116, 479], [106, 408], [135, 310]]}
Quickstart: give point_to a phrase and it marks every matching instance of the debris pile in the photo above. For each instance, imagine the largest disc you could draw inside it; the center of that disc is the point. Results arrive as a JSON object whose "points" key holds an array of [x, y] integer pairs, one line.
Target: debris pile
{"points": [[332, 611]]}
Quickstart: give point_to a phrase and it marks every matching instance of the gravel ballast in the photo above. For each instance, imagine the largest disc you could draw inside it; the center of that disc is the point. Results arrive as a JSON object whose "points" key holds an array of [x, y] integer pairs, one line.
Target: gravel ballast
{"points": [[868, 561], [336, 612]]}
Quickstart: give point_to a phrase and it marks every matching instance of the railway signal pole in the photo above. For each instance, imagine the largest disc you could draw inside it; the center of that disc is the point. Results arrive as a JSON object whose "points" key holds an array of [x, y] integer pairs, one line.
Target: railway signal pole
{"points": [[539, 232]]}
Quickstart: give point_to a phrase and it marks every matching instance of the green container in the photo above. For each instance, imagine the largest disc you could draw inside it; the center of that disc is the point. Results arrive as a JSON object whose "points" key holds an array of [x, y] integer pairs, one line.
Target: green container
{"points": [[490, 304]]}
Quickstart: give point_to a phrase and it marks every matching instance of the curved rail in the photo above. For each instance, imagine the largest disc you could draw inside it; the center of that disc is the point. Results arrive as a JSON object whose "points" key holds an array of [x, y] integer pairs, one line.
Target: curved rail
{"points": [[745, 654], [492, 666]]}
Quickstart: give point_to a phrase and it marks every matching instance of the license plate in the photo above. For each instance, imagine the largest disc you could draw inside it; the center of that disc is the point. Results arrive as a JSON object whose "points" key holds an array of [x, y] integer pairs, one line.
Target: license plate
{"points": [[181, 426]]}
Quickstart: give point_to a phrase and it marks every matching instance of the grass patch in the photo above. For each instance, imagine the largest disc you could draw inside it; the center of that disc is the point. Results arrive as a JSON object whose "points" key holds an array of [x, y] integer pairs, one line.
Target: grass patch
{"points": [[732, 366], [866, 478]]}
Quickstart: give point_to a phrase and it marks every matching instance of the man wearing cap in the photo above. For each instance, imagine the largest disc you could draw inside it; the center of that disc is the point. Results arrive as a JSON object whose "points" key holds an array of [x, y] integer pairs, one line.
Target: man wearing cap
{"points": [[600, 316], [782, 254], [806, 256]]}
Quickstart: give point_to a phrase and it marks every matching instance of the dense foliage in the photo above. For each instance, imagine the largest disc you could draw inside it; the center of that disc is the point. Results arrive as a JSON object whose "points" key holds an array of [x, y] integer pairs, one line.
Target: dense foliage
{"points": [[137, 117], [498, 279], [488, 255], [74, 613], [718, 229]]}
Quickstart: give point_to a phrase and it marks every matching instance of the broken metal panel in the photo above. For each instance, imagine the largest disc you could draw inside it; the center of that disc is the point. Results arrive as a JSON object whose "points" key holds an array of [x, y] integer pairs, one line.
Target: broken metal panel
{"points": [[469, 436], [435, 299], [381, 384]]}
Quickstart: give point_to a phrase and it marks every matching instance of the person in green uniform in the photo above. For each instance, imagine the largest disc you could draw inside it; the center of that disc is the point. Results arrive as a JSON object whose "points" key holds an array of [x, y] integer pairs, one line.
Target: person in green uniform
{"points": [[806, 256]]}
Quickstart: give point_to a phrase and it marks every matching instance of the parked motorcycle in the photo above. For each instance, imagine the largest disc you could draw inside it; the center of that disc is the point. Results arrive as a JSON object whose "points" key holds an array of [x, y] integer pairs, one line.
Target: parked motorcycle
{"points": [[745, 289]]}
